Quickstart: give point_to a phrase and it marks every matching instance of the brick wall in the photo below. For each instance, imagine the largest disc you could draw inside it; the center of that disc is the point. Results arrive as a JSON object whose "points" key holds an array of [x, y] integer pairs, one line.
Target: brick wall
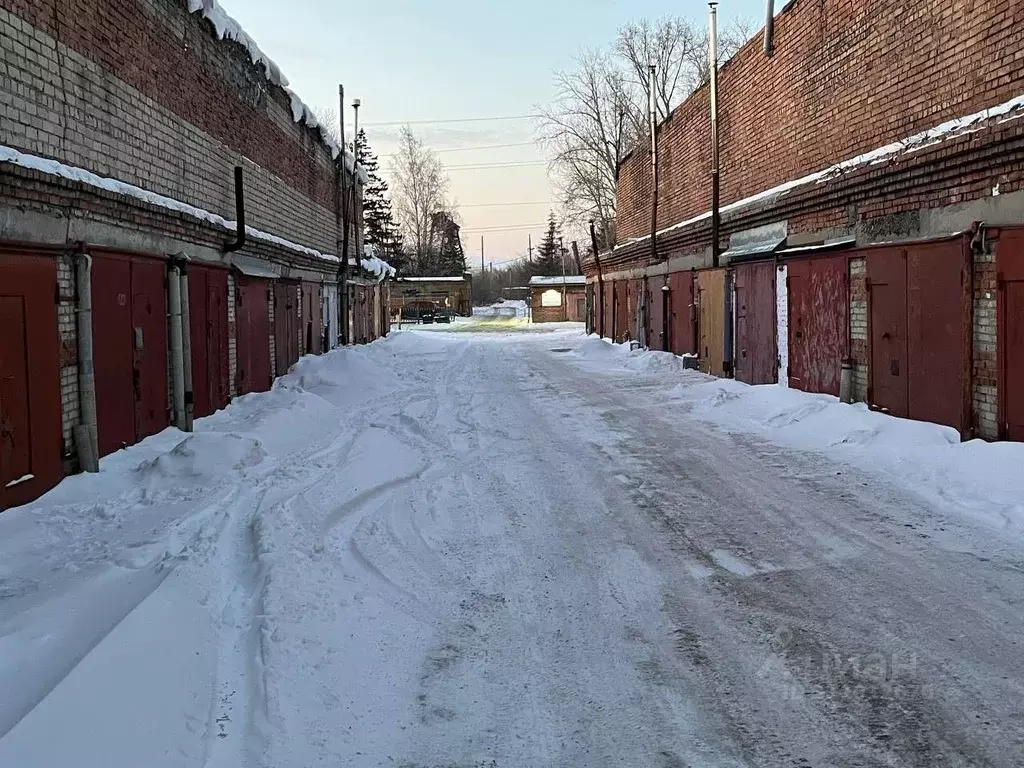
{"points": [[163, 105], [847, 76], [985, 403], [860, 349]]}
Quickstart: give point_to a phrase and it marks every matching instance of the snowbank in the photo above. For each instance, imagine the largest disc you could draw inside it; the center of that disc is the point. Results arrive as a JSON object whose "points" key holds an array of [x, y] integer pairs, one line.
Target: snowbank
{"points": [[981, 480]]}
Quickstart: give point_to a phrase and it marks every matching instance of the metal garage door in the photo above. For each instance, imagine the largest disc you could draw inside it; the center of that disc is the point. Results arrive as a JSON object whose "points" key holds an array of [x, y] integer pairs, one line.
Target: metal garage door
{"points": [[252, 332], [711, 320], [756, 353], [683, 316], [30, 405], [1010, 277], [208, 318], [657, 311], [818, 327], [129, 298], [286, 326]]}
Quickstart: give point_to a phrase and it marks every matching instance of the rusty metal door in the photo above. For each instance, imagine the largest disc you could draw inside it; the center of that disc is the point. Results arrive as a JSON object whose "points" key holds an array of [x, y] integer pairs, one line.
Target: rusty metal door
{"points": [[711, 320], [756, 341], [252, 329], [608, 310], [312, 318], [113, 352], [682, 319], [621, 327], [818, 335], [208, 318], [149, 345], [1010, 331], [286, 326], [887, 297], [30, 397], [939, 332], [657, 331]]}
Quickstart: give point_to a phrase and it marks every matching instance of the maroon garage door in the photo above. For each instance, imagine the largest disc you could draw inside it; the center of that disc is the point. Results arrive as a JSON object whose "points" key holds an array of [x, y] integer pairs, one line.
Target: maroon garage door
{"points": [[252, 332], [208, 320], [756, 354], [129, 320], [920, 320], [1010, 274], [286, 326], [818, 301], [657, 313], [30, 409]]}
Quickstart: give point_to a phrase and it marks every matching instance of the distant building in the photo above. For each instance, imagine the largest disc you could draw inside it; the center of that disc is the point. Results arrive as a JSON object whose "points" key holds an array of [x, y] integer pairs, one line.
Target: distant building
{"points": [[558, 299], [453, 293]]}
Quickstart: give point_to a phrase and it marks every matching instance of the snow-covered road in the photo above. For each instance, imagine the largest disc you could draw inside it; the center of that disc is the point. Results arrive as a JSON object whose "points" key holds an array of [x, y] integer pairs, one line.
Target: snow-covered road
{"points": [[463, 550]]}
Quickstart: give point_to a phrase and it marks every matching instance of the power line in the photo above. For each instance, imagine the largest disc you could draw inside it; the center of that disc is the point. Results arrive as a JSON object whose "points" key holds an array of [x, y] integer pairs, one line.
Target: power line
{"points": [[471, 149], [452, 120], [505, 228], [497, 205], [486, 166]]}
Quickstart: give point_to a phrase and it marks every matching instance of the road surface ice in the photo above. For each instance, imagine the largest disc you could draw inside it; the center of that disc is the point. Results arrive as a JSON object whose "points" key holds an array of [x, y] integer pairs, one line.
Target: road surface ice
{"points": [[518, 550]]}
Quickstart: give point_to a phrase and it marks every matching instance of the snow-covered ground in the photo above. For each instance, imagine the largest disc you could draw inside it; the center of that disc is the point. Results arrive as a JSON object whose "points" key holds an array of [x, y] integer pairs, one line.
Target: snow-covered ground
{"points": [[520, 549]]}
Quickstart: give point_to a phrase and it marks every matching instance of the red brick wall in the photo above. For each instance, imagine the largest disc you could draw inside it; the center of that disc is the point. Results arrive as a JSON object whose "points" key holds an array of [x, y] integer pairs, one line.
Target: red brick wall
{"points": [[145, 92], [847, 76]]}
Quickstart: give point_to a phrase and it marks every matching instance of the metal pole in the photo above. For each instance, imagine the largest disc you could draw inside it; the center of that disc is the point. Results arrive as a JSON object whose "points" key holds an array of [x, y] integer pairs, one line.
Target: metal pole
{"points": [[600, 281], [769, 28], [713, 85], [482, 267], [653, 116], [529, 248], [177, 361], [186, 348], [343, 214], [85, 433]]}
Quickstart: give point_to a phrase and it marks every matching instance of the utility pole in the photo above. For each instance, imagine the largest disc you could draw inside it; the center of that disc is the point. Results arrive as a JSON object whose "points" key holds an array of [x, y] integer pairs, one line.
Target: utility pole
{"points": [[344, 228], [529, 248], [600, 281], [482, 268], [713, 85], [653, 116]]}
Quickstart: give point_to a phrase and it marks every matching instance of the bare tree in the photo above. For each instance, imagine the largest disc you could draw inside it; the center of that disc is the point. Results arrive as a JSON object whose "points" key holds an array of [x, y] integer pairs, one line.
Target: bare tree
{"points": [[419, 190], [588, 130], [599, 114]]}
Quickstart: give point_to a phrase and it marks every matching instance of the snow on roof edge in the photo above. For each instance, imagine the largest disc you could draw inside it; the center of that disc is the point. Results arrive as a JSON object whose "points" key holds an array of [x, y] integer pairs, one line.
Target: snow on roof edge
{"points": [[558, 280], [913, 143], [228, 28], [54, 168]]}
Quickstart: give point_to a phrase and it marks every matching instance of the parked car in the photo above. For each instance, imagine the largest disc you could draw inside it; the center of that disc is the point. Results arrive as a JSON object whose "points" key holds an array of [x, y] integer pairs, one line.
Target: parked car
{"points": [[427, 315], [443, 315]]}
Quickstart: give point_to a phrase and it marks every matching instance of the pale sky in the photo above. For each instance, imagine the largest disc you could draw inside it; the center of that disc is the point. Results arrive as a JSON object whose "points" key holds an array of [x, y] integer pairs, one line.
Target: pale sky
{"points": [[415, 60]]}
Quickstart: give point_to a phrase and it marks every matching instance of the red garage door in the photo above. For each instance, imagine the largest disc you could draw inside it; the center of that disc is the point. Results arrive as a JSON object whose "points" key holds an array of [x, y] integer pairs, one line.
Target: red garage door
{"points": [[30, 407], [608, 309], [683, 314], [756, 341], [312, 318], [208, 318], [621, 328], [129, 321], [252, 332], [1010, 275], [286, 326], [818, 304], [920, 310], [657, 313]]}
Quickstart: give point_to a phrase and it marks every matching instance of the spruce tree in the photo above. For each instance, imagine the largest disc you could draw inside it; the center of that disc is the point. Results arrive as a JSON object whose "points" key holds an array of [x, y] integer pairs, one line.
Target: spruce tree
{"points": [[380, 229], [549, 260]]}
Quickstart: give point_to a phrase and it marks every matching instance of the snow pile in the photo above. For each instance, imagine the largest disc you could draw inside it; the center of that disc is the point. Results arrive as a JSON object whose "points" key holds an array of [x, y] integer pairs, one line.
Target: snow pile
{"points": [[376, 265], [980, 479], [82, 176]]}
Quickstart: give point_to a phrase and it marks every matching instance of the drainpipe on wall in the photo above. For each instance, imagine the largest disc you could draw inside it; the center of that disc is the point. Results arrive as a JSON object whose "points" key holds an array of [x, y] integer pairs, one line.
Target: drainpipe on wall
{"points": [[177, 357], [713, 91], [85, 433], [186, 346]]}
